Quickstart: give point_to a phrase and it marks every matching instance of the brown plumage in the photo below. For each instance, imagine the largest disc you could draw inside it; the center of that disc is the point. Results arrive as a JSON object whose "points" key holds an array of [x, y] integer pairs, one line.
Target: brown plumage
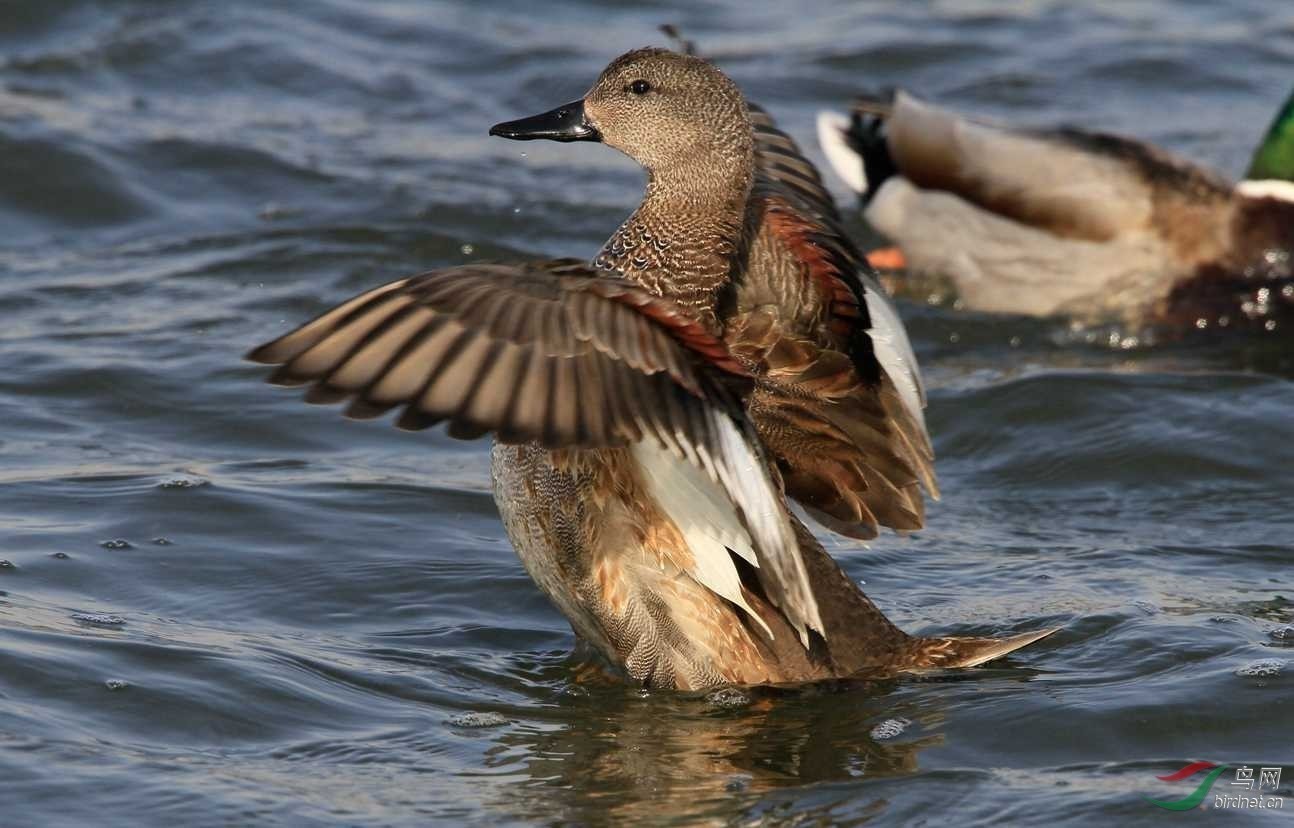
{"points": [[725, 348], [509, 349], [1069, 221]]}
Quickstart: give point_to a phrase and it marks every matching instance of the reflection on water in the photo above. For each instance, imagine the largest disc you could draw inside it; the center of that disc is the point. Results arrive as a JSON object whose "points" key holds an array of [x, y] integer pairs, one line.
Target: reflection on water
{"points": [[628, 758]]}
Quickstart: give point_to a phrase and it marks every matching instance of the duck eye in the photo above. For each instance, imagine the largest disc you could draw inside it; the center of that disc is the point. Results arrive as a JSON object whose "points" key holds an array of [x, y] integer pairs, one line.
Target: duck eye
{"points": [[639, 87]]}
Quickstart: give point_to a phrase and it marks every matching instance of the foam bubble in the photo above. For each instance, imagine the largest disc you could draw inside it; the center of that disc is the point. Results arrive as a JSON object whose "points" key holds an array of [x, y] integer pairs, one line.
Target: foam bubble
{"points": [[182, 483], [100, 619], [472, 718], [727, 698], [890, 728], [1263, 668]]}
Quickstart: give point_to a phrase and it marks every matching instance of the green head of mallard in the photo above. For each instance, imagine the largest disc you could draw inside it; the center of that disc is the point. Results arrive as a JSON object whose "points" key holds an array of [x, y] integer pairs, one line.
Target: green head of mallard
{"points": [[1274, 158]]}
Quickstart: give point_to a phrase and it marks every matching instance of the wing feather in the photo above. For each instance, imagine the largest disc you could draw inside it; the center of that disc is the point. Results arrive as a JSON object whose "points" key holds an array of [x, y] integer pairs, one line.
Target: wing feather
{"points": [[841, 403], [558, 354]]}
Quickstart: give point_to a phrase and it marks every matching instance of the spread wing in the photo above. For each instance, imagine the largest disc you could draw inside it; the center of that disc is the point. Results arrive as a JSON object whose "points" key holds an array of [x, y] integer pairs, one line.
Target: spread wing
{"points": [[553, 353], [840, 398]]}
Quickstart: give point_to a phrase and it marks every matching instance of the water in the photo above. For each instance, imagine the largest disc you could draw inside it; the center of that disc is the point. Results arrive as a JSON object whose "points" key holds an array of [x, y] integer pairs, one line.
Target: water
{"points": [[219, 606]]}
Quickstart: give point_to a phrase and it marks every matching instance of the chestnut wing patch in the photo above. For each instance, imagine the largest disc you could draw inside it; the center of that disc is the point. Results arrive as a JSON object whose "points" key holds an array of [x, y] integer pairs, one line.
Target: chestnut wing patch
{"points": [[840, 400]]}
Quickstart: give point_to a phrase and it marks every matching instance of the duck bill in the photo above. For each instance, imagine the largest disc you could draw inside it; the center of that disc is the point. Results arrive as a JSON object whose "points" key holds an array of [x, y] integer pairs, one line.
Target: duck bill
{"points": [[567, 122]]}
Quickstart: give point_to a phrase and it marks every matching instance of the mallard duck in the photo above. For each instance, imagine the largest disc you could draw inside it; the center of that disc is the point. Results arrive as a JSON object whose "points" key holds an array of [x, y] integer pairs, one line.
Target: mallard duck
{"points": [[653, 409], [1072, 222]]}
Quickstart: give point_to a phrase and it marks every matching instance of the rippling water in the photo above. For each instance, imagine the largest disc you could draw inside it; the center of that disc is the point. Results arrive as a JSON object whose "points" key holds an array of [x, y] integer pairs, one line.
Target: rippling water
{"points": [[218, 606]]}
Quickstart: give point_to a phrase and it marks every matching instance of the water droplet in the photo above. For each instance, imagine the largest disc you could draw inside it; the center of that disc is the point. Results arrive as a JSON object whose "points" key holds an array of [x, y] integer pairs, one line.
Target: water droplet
{"points": [[116, 684], [62, 556], [99, 619], [116, 543], [467, 250], [727, 698], [1263, 668], [1015, 342], [954, 337], [7, 565], [1201, 323], [159, 541], [1270, 325], [889, 729], [575, 691], [474, 719], [516, 211]]}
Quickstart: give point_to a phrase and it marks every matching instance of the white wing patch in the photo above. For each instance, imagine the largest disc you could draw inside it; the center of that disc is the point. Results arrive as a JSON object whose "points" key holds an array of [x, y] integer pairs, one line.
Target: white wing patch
{"points": [[706, 513], [889, 338], [706, 518], [847, 164], [894, 351]]}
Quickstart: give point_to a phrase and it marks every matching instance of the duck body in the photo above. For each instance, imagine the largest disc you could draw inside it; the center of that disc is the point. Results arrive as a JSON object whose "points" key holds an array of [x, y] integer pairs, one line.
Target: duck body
{"points": [[615, 562], [619, 567], [1068, 222], [654, 409]]}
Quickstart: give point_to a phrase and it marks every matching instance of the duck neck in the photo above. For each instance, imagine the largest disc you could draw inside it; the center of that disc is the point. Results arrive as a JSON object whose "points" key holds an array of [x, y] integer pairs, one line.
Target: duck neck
{"points": [[682, 240], [1274, 158]]}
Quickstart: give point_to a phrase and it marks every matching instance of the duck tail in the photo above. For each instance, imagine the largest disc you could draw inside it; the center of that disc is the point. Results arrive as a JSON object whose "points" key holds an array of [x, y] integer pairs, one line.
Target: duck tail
{"points": [[955, 651], [855, 144]]}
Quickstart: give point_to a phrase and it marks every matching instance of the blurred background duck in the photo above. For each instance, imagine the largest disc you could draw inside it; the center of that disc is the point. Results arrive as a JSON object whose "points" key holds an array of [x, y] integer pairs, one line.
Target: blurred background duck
{"points": [[1072, 222]]}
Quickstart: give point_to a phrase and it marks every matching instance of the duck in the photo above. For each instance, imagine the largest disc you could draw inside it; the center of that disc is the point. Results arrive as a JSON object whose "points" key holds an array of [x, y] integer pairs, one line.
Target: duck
{"points": [[655, 410], [1069, 222]]}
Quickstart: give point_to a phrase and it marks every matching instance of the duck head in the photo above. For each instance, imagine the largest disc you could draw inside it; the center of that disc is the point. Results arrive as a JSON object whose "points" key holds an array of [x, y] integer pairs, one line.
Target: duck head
{"points": [[1274, 158], [663, 109]]}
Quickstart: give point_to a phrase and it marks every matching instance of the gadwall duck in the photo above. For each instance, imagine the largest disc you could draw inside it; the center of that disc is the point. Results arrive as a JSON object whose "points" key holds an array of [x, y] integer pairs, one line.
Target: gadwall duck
{"points": [[1069, 222], [652, 410]]}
